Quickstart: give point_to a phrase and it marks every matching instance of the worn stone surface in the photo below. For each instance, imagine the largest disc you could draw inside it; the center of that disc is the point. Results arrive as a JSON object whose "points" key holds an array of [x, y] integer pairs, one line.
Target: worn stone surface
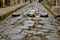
{"points": [[30, 28], [12, 31], [22, 27], [17, 37]]}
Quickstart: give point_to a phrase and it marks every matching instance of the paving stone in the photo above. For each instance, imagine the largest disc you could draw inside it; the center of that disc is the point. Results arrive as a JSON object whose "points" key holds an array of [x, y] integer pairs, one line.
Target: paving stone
{"points": [[22, 27], [30, 13], [39, 26], [23, 33], [16, 32], [2, 39], [52, 36], [44, 19], [46, 31], [37, 16], [11, 20], [9, 26], [1, 26], [29, 32], [17, 37], [44, 22], [29, 23], [50, 27], [34, 38], [58, 27], [39, 33], [43, 14], [2, 29], [12, 31], [34, 29]]}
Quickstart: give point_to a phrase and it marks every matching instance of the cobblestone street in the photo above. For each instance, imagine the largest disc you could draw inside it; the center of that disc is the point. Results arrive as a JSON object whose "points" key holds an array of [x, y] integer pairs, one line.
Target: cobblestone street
{"points": [[34, 23]]}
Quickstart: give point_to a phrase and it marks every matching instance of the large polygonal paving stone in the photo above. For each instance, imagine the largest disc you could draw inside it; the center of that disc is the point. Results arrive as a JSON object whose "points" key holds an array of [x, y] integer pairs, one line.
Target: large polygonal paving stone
{"points": [[22, 27], [29, 32], [11, 20], [49, 27], [52, 36], [29, 23], [34, 29], [17, 37], [12, 31], [39, 26], [34, 38], [44, 22], [1, 27], [9, 26]]}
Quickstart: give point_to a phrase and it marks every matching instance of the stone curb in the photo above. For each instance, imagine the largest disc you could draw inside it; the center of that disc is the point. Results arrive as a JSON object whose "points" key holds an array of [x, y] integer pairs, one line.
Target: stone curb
{"points": [[10, 12], [48, 8]]}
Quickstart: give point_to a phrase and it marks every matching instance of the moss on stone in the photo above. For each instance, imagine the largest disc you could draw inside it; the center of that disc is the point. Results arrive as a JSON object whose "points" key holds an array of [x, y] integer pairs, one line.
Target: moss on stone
{"points": [[10, 12], [49, 8]]}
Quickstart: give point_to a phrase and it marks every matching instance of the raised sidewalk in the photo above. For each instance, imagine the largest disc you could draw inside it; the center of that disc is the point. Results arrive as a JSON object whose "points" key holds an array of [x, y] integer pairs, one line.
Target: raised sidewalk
{"points": [[4, 12]]}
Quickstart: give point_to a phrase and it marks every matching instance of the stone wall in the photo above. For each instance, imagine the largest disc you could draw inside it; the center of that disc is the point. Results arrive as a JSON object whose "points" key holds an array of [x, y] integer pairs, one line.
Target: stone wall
{"points": [[52, 2], [4, 3]]}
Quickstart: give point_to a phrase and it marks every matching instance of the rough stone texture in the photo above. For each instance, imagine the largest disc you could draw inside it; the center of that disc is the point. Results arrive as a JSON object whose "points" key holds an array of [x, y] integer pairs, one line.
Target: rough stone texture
{"points": [[17, 37], [12, 31], [29, 28], [29, 23], [22, 27]]}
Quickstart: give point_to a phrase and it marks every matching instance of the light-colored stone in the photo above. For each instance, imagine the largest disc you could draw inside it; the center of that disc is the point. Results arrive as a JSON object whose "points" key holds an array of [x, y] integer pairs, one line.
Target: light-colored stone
{"points": [[43, 14], [22, 27], [9, 26], [39, 26], [29, 32], [39, 33], [49, 27], [17, 37], [34, 29], [44, 22], [52, 36], [12, 31], [34, 38], [37, 16], [3, 39], [1, 26], [29, 23], [46, 31], [0, 37], [11, 20]]}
